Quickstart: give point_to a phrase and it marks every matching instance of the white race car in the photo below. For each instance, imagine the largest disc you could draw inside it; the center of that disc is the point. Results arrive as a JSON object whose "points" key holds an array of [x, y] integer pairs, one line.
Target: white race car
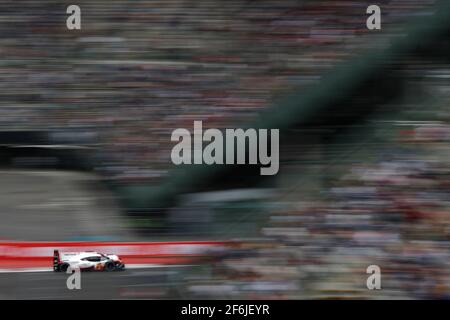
{"points": [[88, 260]]}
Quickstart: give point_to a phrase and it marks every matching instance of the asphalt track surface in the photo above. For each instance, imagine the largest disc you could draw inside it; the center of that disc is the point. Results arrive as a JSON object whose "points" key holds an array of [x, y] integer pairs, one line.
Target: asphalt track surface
{"points": [[157, 282]]}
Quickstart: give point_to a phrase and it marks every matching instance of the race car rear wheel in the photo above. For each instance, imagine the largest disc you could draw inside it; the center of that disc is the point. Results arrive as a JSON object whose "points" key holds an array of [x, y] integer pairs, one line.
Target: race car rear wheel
{"points": [[63, 267]]}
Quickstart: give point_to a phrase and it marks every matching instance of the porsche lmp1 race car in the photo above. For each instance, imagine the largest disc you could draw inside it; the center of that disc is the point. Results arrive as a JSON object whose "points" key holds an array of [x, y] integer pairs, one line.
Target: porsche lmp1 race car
{"points": [[88, 260]]}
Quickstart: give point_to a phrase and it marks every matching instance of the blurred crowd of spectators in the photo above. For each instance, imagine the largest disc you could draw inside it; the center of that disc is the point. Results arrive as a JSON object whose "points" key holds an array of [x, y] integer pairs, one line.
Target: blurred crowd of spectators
{"points": [[139, 69], [393, 214], [391, 210]]}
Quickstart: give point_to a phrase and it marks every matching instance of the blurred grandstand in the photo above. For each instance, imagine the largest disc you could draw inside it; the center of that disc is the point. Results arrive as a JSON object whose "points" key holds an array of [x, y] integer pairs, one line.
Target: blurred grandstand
{"points": [[364, 117]]}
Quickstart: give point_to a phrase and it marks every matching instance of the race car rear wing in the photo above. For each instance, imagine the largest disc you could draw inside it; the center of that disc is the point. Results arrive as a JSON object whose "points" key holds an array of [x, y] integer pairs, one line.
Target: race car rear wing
{"points": [[56, 260]]}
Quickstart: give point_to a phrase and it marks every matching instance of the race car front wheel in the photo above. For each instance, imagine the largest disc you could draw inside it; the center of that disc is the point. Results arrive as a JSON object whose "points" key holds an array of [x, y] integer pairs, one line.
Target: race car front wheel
{"points": [[109, 266]]}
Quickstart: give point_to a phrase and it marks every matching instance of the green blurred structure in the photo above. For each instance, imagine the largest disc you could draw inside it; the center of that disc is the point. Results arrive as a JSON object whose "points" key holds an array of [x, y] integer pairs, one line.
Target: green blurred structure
{"points": [[332, 103]]}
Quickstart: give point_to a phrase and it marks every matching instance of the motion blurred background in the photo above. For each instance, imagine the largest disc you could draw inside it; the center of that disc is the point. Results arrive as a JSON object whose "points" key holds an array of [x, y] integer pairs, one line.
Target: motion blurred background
{"points": [[86, 118]]}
